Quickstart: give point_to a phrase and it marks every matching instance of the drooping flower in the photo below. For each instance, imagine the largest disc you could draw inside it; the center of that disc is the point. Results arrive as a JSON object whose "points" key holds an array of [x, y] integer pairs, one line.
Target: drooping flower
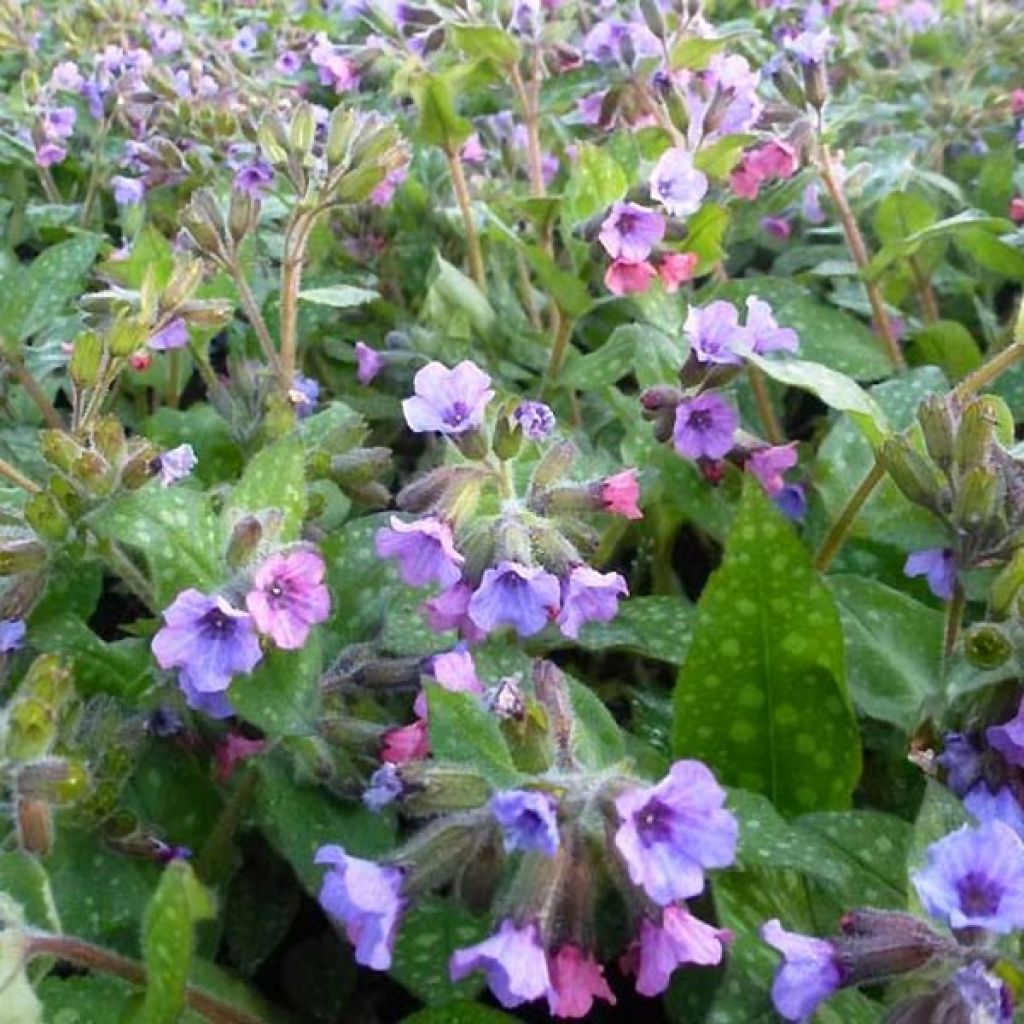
{"points": [[676, 268], [810, 205], [630, 231], [335, 70], [1008, 738], [620, 494], [523, 597], [171, 336], [704, 427], [1001, 805], [50, 153], [671, 832], [207, 639], [535, 420], [369, 362], [770, 464], [448, 401], [128, 191], [938, 566], [623, 278], [425, 550], [232, 750], [366, 899], [961, 760], [66, 77], [808, 975], [775, 159], [715, 335], [810, 48], [730, 75], [607, 41], [983, 995], [384, 192], [778, 227], [528, 820], [513, 960], [763, 331], [385, 787], [681, 938], [12, 635], [288, 597], [304, 394], [450, 610], [175, 465], [406, 743], [288, 62], [975, 878], [677, 184], [577, 979], [589, 596], [253, 179], [216, 705], [791, 501], [59, 123], [454, 671]]}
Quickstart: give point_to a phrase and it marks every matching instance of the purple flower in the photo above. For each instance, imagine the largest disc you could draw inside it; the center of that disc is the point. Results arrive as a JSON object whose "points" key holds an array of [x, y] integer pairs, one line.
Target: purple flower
{"points": [[12, 635], [520, 596], [288, 62], [448, 401], [763, 332], [630, 231], [677, 184], [528, 820], [369, 362], [1008, 738], [681, 938], [669, 833], [590, 596], [214, 705], [1001, 806], [304, 395], [961, 760], [170, 336], [165, 40], [810, 47], [208, 640], [535, 420], [59, 123], [66, 77], [605, 42], [938, 565], [791, 501], [715, 335], [810, 205], [289, 597], [253, 179], [514, 962], [985, 997], [175, 465], [49, 153], [335, 70], [128, 191], [425, 551], [704, 427], [770, 464], [808, 974], [455, 671], [366, 899], [245, 42], [385, 787], [975, 878], [450, 610], [920, 15]]}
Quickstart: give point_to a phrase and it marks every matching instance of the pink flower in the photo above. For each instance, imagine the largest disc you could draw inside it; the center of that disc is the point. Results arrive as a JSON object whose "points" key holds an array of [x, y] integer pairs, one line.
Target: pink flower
{"points": [[769, 465], [233, 749], [1017, 102], [289, 597], [677, 268], [680, 939], [619, 494], [746, 182], [776, 159], [576, 981], [1017, 210], [456, 673], [407, 743], [624, 278]]}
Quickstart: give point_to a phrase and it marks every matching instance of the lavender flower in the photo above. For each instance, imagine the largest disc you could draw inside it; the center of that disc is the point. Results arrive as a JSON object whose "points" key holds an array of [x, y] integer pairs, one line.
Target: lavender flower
{"points": [[669, 833], [535, 420], [791, 501], [704, 427], [528, 820], [938, 566], [66, 77], [12, 635], [175, 464], [170, 336], [1001, 806], [778, 227], [984, 996], [809, 973], [335, 70], [715, 335], [128, 191], [289, 597], [253, 179], [304, 395], [288, 62], [369, 362], [589, 596], [975, 878], [630, 231], [577, 979], [610, 41], [385, 787], [59, 123], [246, 42], [514, 962], [454, 671], [810, 47], [763, 332], [770, 464], [514, 595], [425, 551], [961, 760], [681, 938], [677, 184], [1008, 738], [49, 153], [366, 899], [448, 401], [810, 205], [208, 640]]}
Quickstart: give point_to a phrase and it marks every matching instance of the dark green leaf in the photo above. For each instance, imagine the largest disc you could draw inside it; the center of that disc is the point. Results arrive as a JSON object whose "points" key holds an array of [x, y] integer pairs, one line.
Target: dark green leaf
{"points": [[462, 730], [275, 478], [595, 182], [280, 695]]}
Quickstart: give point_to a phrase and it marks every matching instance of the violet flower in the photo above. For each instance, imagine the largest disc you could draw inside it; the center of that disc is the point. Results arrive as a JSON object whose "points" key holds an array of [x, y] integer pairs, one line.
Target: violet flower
{"points": [[528, 820], [808, 975], [513, 960], [984, 996], [128, 191], [961, 760], [677, 184], [975, 878], [304, 394], [938, 566], [448, 401], [671, 832], [59, 123], [511, 594], [425, 551], [175, 464], [534, 419], [704, 427], [65, 77], [810, 204], [385, 787], [253, 179], [12, 635], [681, 938], [450, 610], [577, 979], [715, 335], [369, 362], [630, 231], [245, 42], [763, 331], [171, 336], [770, 464], [607, 42], [1008, 738], [1001, 805], [289, 597], [589, 596], [810, 48], [791, 501], [366, 899], [49, 153], [455, 672]]}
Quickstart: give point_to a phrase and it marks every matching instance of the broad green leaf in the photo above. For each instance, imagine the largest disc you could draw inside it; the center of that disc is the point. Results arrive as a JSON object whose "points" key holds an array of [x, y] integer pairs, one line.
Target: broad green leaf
{"points": [[694, 54], [275, 478], [168, 942], [902, 214], [893, 649], [595, 182], [762, 695], [19, 1004], [439, 125], [991, 252], [597, 740], [946, 344], [150, 252], [460, 1012], [486, 42], [262, 902], [718, 159], [705, 233], [339, 296], [461, 292], [23, 880], [462, 730], [604, 366], [653, 627], [281, 694], [200, 425]]}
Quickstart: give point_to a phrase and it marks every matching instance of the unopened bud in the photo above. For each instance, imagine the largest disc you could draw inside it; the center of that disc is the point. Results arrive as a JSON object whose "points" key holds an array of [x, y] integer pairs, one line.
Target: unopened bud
{"points": [[360, 466], [46, 516], [978, 498], [653, 17], [472, 444], [85, 359], [553, 465], [91, 469], [339, 133], [553, 550], [244, 541], [423, 493], [939, 429], [878, 944], [508, 436], [184, 281], [789, 87], [816, 84], [52, 779], [372, 495], [986, 645], [137, 468], [59, 449], [917, 477], [21, 554], [435, 854], [1007, 585], [126, 336], [974, 436], [302, 131], [108, 437], [243, 215], [272, 140]]}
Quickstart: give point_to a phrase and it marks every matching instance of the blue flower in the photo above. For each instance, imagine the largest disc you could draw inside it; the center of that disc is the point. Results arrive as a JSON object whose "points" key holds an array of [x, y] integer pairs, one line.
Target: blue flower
{"points": [[528, 820]]}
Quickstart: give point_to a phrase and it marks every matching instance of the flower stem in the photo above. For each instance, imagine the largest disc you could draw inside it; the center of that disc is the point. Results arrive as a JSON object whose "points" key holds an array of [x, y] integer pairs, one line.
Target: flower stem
{"points": [[296, 240], [925, 292], [954, 619], [461, 189], [254, 316], [840, 529], [16, 477], [33, 389], [559, 350], [759, 384], [993, 369]]}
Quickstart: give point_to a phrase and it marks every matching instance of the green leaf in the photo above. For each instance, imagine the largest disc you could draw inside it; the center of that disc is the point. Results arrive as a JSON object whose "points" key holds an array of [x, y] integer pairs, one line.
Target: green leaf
{"points": [[168, 942], [991, 252], [275, 478], [281, 694], [457, 290], [200, 425], [718, 159], [150, 252], [19, 1004], [946, 344], [653, 627], [902, 214], [705, 233], [460, 1012], [596, 180], [695, 54], [340, 296], [439, 125], [604, 366], [462, 730], [23, 879], [486, 42], [597, 740], [762, 694], [893, 649], [173, 528], [261, 906]]}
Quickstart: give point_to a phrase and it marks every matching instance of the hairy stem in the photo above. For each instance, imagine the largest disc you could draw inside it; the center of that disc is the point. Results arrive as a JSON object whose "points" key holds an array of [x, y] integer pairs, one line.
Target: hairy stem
{"points": [[992, 370], [559, 350], [16, 477], [461, 189], [954, 619], [840, 529], [925, 292], [33, 389], [296, 240], [759, 384], [254, 316]]}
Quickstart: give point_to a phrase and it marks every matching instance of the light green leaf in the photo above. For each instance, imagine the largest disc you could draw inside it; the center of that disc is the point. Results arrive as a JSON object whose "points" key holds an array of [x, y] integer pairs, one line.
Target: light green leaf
{"points": [[439, 125], [718, 159], [946, 344], [596, 180], [604, 366], [597, 740], [457, 290], [462, 730], [694, 54], [339, 296], [486, 42], [281, 694], [705, 233], [275, 478], [23, 879]]}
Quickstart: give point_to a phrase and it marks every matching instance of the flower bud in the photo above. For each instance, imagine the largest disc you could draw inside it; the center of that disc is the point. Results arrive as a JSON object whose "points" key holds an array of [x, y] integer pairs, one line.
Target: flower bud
{"points": [[974, 437], [790, 88], [339, 133], [536, 888], [653, 17], [1007, 584], [59, 449], [554, 551], [360, 466], [472, 444], [92, 470], [35, 826], [126, 336], [244, 542], [52, 779], [939, 429], [373, 495], [435, 854], [917, 477], [878, 944], [272, 140], [553, 465], [20, 554], [243, 215], [508, 437], [108, 437], [986, 645], [137, 468], [978, 498], [85, 359], [816, 84], [301, 132], [421, 495], [44, 514], [184, 280]]}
